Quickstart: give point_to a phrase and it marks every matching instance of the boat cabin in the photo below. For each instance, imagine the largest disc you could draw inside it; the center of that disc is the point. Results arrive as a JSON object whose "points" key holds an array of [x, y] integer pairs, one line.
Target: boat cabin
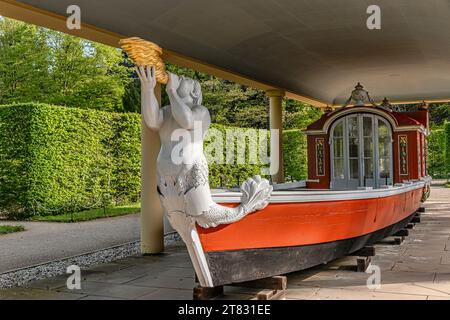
{"points": [[367, 146]]}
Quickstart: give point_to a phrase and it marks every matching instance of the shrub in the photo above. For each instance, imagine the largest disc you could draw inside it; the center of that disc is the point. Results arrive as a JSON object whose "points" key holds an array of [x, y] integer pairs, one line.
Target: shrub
{"points": [[225, 174], [57, 159], [447, 149], [436, 153], [295, 155]]}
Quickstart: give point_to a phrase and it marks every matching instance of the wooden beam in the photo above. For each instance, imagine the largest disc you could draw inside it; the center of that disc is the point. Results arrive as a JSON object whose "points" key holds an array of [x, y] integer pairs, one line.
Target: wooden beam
{"points": [[399, 240], [415, 219], [205, 293], [268, 294], [402, 233], [274, 283], [368, 251], [43, 18], [363, 263]]}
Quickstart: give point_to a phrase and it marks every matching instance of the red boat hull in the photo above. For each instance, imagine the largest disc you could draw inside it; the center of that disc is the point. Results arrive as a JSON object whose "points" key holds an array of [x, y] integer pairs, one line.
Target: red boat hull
{"points": [[296, 224], [286, 237]]}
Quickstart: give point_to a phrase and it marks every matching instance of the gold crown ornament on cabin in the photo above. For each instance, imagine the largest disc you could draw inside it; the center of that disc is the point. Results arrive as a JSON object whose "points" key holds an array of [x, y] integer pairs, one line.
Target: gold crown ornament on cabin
{"points": [[146, 53]]}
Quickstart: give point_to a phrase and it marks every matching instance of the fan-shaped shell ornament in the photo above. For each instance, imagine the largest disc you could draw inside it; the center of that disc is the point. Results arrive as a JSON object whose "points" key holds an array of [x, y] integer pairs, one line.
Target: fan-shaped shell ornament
{"points": [[146, 53]]}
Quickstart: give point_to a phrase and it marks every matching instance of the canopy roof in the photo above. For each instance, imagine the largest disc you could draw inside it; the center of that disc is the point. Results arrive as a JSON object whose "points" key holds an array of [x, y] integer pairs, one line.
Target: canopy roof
{"points": [[315, 50]]}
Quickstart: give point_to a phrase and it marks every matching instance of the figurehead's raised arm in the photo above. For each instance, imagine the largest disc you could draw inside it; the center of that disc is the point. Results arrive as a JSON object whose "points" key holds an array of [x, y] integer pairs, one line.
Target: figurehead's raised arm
{"points": [[153, 115]]}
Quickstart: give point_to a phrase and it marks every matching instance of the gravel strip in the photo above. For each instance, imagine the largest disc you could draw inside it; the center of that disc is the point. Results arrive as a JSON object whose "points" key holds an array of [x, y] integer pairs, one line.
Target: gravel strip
{"points": [[54, 268]]}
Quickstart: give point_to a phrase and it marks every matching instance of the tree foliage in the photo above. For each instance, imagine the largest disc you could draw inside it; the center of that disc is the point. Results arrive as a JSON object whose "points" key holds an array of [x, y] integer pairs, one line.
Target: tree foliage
{"points": [[439, 113], [40, 65], [436, 153], [55, 159]]}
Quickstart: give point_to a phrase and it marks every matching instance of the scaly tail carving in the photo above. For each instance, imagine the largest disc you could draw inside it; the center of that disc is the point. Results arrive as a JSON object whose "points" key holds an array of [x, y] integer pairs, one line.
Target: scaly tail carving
{"points": [[255, 196]]}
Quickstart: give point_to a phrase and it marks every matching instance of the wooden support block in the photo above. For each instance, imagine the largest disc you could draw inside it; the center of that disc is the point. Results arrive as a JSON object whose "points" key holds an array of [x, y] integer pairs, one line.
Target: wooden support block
{"points": [[410, 226], [363, 263], [421, 209], [399, 240], [418, 214], [402, 233], [368, 251], [415, 220], [273, 283], [205, 293], [269, 294]]}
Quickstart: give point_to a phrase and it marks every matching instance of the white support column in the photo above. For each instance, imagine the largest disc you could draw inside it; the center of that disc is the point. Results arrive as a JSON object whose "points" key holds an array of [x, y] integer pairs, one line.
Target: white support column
{"points": [[276, 141], [152, 225]]}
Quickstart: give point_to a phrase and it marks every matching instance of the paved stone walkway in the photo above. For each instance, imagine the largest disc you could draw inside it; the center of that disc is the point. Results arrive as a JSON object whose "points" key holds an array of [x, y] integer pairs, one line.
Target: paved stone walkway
{"points": [[417, 269]]}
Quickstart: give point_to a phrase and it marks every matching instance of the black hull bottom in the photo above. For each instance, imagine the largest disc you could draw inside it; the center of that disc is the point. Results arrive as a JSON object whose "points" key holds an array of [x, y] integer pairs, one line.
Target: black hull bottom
{"points": [[250, 264]]}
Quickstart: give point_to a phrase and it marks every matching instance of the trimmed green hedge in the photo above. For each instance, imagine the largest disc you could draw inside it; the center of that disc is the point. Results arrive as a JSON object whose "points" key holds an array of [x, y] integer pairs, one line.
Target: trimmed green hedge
{"points": [[447, 148], [232, 175], [436, 153], [56, 160], [295, 156]]}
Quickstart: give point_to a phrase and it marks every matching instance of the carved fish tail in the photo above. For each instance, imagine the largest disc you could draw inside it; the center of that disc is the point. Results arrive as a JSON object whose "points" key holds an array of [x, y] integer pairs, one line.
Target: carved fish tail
{"points": [[255, 196]]}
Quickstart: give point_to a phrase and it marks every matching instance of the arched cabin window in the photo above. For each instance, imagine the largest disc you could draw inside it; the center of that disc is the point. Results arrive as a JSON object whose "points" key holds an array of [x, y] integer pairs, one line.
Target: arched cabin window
{"points": [[361, 152]]}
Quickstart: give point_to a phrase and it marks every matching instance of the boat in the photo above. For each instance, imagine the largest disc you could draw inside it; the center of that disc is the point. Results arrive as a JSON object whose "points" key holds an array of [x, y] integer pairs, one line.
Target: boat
{"points": [[367, 177]]}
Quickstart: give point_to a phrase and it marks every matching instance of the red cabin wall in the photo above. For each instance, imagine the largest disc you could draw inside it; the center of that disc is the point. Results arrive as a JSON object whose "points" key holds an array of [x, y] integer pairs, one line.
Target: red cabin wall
{"points": [[421, 116], [324, 180], [413, 144]]}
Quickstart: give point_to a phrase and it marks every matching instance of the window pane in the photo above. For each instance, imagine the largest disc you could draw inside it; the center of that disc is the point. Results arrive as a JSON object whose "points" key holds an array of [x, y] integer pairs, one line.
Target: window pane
{"points": [[367, 126], [353, 147], [354, 168], [339, 168], [383, 130], [384, 146], [339, 130], [338, 146], [368, 168], [384, 168], [353, 127], [368, 147]]}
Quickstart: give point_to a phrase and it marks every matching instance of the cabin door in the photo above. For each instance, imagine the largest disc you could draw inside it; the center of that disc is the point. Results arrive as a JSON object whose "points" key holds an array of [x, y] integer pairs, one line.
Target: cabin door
{"points": [[361, 152]]}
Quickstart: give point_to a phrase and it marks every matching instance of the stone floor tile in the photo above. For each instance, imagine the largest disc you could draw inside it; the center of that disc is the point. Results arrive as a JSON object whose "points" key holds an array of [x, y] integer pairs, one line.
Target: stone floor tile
{"points": [[420, 267], [446, 258], [49, 284], [164, 282], [168, 294], [394, 277], [437, 298], [422, 289], [361, 294], [122, 291], [178, 272], [37, 294], [301, 293], [121, 276], [90, 297]]}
